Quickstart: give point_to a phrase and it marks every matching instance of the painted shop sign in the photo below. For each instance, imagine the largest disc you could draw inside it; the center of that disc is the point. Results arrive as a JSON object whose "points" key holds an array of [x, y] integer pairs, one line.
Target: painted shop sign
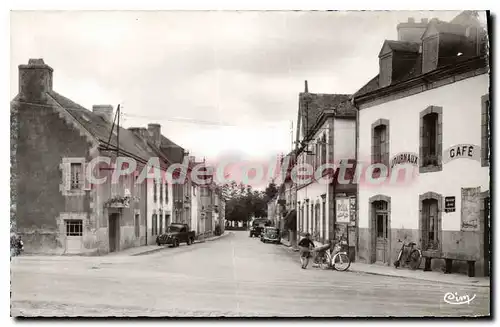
{"points": [[343, 210], [404, 158], [449, 204], [467, 151]]}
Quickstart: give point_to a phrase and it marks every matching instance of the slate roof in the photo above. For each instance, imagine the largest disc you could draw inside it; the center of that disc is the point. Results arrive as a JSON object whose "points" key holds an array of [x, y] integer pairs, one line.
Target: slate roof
{"points": [[403, 46], [101, 129], [312, 105], [413, 68]]}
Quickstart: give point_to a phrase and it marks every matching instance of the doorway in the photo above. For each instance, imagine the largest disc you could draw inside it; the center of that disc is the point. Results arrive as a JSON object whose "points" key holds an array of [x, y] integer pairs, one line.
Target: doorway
{"points": [[380, 232], [114, 232]]}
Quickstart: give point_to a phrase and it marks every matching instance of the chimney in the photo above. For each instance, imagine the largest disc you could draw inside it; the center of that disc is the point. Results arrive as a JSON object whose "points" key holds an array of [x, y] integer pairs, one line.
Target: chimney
{"points": [[140, 132], [35, 80], [424, 20], [306, 89], [412, 31], [155, 132], [105, 111]]}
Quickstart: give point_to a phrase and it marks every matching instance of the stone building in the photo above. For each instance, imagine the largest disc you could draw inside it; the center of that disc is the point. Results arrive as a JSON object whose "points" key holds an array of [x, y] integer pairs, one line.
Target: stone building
{"points": [[427, 112], [326, 133], [57, 210]]}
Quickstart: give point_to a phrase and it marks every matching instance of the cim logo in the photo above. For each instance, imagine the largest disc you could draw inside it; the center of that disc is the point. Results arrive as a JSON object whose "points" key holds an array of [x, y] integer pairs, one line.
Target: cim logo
{"points": [[454, 298]]}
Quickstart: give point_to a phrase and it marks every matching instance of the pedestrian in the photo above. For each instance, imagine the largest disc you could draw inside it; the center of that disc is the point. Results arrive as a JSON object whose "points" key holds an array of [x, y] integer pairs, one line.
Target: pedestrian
{"points": [[305, 246]]}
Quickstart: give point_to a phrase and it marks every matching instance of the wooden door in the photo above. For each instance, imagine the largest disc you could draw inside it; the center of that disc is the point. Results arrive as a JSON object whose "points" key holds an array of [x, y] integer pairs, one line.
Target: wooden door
{"points": [[113, 231], [381, 229]]}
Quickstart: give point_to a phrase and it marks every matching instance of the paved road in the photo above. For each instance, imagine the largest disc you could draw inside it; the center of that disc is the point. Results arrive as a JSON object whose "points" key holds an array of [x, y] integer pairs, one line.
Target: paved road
{"points": [[234, 276]]}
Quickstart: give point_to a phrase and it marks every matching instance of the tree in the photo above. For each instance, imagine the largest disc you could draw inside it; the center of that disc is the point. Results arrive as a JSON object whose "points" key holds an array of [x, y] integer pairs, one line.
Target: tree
{"points": [[271, 191], [243, 203]]}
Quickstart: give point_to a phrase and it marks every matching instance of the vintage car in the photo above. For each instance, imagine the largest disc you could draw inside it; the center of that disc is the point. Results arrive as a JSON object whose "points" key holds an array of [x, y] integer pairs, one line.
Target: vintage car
{"points": [[270, 235], [176, 234], [256, 231]]}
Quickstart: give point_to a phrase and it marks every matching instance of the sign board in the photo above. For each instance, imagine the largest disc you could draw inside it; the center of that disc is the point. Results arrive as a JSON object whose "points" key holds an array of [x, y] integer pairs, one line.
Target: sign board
{"points": [[405, 158], [467, 151], [471, 207], [343, 210], [352, 210], [449, 204]]}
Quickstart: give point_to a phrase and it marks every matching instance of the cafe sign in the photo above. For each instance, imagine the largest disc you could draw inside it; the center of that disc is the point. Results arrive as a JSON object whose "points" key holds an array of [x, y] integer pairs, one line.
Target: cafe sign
{"points": [[460, 151]]}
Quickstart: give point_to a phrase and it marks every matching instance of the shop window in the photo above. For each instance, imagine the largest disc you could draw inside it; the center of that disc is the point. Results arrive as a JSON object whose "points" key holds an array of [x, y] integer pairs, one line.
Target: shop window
{"points": [[430, 221]]}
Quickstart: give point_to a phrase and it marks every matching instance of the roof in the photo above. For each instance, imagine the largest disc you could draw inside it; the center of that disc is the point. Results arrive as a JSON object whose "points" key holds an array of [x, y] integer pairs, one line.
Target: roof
{"points": [[312, 105], [412, 67], [402, 46], [101, 129]]}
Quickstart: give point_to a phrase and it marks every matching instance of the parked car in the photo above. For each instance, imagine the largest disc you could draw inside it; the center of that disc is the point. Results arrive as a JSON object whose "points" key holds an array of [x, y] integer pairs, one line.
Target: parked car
{"points": [[271, 235], [256, 231], [176, 234]]}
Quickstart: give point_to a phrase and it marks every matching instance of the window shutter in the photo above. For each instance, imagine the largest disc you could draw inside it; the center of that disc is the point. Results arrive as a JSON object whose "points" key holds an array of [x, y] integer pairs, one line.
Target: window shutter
{"points": [[87, 186]]}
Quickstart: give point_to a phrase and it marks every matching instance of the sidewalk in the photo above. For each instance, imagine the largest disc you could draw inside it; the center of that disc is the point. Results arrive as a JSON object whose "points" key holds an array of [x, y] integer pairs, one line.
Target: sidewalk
{"points": [[149, 249], [431, 276]]}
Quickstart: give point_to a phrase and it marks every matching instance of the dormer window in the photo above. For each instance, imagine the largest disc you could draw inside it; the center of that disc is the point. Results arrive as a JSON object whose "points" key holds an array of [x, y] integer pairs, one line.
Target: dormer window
{"points": [[430, 54], [385, 70]]}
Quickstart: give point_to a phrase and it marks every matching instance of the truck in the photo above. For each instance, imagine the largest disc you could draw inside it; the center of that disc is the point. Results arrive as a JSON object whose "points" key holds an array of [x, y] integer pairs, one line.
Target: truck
{"points": [[176, 234]]}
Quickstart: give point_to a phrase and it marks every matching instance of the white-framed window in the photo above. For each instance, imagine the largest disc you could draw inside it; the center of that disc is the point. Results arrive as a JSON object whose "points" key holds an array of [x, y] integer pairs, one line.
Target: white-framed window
{"points": [[74, 227], [76, 171]]}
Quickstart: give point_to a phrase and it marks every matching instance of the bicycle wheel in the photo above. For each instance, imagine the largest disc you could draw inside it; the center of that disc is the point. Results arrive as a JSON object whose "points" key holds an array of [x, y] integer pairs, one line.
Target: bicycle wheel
{"points": [[324, 262], [341, 261], [415, 259]]}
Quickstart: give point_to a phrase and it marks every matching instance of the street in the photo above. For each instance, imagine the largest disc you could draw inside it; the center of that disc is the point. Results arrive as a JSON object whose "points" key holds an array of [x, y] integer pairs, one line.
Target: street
{"points": [[233, 276]]}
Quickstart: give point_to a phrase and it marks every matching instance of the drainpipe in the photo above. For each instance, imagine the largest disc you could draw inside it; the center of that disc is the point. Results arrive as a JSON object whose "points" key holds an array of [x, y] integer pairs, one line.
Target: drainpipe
{"points": [[356, 247]]}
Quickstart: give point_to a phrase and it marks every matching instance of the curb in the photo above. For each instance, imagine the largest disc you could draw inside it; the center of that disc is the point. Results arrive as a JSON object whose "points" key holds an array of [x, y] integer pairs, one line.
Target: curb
{"points": [[415, 278], [214, 238], [150, 251]]}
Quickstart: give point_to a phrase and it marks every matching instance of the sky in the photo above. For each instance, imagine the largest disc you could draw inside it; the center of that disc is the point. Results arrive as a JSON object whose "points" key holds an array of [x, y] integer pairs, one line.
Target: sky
{"points": [[219, 83]]}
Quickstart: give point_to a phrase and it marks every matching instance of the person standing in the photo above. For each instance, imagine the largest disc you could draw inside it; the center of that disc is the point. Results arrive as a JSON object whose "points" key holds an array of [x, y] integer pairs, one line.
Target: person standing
{"points": [[305, 246]]}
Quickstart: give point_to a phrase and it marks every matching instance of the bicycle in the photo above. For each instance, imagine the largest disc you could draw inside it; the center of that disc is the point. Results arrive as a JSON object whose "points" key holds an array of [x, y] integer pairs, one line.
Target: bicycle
{"points": [[336, 259], [409, 255]]}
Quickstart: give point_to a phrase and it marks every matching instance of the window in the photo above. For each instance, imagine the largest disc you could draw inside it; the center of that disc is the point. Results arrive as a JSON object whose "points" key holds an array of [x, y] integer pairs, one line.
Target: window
{"points": [[380, 143], [431, 139], [137, 225], [430, 54], [485, 130], [161, 223], [161, 193], [154, 225], [306, 220], [324, 220], [76, 176], [323, 150], [166, 192], [74, 227], [155, 196], [137, 187]]}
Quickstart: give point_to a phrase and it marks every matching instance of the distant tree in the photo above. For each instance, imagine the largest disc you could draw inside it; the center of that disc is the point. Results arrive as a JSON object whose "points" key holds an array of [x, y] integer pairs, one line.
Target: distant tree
{"points": [[271, 191]]}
